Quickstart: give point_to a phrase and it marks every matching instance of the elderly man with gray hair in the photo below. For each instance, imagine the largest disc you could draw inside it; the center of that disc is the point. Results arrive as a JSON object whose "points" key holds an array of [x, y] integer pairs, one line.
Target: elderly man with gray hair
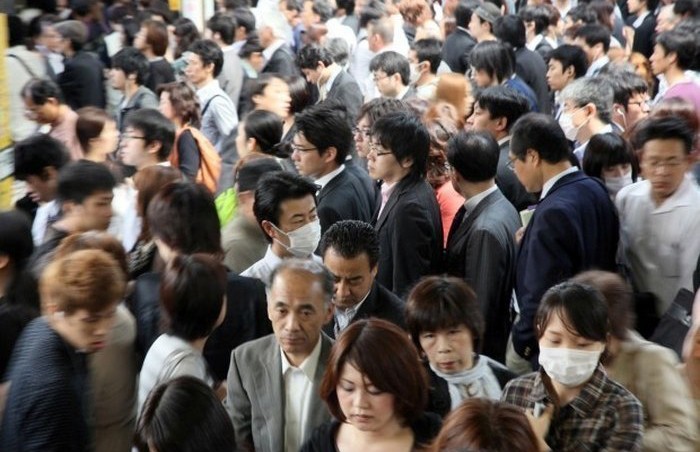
{"points": [[82, 80], [273, 382], [587, 109]]}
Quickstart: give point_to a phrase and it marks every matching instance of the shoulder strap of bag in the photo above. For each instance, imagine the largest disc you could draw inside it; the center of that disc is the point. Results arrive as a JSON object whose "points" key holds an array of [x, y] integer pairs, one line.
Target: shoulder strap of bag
{"points": [[206, 106], [23, 63]]}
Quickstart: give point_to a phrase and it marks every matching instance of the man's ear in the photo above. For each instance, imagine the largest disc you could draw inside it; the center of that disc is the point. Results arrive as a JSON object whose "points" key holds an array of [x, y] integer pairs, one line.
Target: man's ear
{"points": [[153, 147], [502, 124], [49, 173], [268, 228], [329, 154], [4, 261]]}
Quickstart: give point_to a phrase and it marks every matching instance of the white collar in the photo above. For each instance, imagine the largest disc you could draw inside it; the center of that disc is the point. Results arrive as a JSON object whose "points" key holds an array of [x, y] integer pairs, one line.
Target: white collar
{"points": [[686, 194], [471, 203], [638, 21], [308, 366], [550, 183], [334, 71], [323, 180], [532, 45], [272, 48], [402, 93]]}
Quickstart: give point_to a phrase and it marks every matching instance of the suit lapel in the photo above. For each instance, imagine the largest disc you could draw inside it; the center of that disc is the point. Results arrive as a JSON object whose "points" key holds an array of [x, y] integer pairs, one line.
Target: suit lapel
{"points": [[332, 184], [458, 231], [370, 304], [391, 202], [273, 392], [318, 412]]}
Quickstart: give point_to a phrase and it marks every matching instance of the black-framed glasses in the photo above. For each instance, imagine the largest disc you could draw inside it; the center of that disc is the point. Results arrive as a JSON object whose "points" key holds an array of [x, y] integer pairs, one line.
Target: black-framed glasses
{"points": [[364, 131], [511, 163], [297, 148], [377, 150]]}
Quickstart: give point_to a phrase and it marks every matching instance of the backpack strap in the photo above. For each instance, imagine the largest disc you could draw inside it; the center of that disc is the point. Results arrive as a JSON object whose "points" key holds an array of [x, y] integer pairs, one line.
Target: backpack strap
{"points": [[206, 106], [24, 64]]}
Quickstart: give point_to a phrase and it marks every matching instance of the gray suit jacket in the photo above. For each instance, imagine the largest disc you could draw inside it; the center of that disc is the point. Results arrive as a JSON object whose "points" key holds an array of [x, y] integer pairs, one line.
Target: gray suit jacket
{"points": [[256, 395]]}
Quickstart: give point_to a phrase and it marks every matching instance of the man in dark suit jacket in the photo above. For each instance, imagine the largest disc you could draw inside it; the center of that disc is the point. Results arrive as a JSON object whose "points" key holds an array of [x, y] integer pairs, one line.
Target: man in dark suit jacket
{"points": [[455, 51], [334, 84], [643, 20], [574, 228], [82, 79], [350, 250], [320, 145], [408, 219], [495, 110], [391, 73], [273, 382], [279, 58], [481, 244]]}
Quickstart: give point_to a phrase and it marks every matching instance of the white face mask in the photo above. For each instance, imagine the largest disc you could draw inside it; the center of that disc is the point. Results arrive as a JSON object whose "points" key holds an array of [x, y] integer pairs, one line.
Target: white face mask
{"points": [[567, 125], [567, 366], [415, 74], [617, 183], [302, 241]]}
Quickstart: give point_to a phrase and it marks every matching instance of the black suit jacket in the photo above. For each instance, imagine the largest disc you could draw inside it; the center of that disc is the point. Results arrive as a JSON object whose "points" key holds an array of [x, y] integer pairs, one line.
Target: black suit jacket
{"points": [[342, 198], [410, 236], [644, 35], [82, 81], [509, 184], [160, 72], [531, 68], [370, 188], [381, 304], [481, 250], [345, 91], [282, 62], [456, 50], [246, 318]]}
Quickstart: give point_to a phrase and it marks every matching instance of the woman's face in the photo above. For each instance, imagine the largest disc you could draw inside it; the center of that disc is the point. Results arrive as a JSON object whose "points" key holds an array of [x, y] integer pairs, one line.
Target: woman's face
{"points": [[108, 138], [557, 335], [365, 407], [274, 98], [449, 350], [616, 170], [166, 107], [241, 140]]}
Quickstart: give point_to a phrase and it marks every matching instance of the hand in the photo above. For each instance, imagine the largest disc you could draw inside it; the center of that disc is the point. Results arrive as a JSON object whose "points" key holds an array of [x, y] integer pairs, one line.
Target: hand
{"points": [[540, 425]]}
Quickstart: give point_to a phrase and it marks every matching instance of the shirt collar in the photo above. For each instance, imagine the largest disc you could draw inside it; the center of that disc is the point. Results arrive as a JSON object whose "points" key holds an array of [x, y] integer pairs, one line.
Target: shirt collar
{"points": [[474, 201], [597, 65], [590, 394], [402, 93], [272, 48], [532, 45], [550, 183], [208, 89], [685, 195], [505, 139], [308, 366], [334, 71], [323, 180], [640, 19]]}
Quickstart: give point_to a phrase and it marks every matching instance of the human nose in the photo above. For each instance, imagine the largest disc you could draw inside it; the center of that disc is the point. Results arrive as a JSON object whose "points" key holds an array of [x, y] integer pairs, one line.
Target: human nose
{"points": [[291, 322], [342, 289], [360, 399], [443, 344]]}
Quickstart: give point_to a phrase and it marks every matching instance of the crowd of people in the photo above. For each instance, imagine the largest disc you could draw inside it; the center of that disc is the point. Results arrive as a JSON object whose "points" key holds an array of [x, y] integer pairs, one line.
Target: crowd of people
{"points": [[353, 225]]}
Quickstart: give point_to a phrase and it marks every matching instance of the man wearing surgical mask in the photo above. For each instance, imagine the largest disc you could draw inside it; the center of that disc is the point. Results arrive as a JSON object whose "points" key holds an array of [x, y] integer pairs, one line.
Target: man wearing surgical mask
{"points": [[425, 56], [285, 209], [587, 108]]}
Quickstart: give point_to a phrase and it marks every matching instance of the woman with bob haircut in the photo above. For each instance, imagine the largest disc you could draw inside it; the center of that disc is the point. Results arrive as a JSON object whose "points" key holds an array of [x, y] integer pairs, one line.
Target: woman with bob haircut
{"points": [[486, 425], [376, 390], [184, 415], [446, 326], [97, 134], [192, 295], [609, 157], [48, 399], [571, 401], [648, 370], [456, 90]]}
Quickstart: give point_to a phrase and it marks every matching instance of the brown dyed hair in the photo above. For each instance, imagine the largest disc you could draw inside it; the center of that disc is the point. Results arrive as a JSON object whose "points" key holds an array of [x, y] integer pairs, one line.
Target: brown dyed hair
{"points": [[91, 121], [453, 89], [184, 101], [156, 36], [486, 425], [380, 351], [440, 130], [442, 302], [148, 182], [617, 293], [94, 240], [86, 279], [412, 10]]}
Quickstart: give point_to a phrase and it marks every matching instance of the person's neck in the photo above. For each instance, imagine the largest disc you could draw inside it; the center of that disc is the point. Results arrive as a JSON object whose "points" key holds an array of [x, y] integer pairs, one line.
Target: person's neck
{"points": [[486, 37], [204, 83], [398, 177], [426, 78], [288, 123], [326, 170], [674, 75], [148, 53], [471, 189], [551, 170], [69, 53], [589, 129], [566, 394], [5, 278], [148, 161], [326, 74], [390, 433], [62, 111], [296, 359], [70, 224], [280, 251], [130, 89], [94, 155], [198, 344]]}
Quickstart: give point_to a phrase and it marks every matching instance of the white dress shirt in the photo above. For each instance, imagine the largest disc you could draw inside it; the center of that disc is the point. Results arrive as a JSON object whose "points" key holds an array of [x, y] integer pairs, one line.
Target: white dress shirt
{"points": [[550, 183], [660, 243], [323, 180], [263, 268], [298, 391]]}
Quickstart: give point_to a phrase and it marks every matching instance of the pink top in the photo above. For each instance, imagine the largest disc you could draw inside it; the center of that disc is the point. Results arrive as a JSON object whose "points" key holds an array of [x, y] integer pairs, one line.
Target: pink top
{"points": [[449, 201], [65, 132]]}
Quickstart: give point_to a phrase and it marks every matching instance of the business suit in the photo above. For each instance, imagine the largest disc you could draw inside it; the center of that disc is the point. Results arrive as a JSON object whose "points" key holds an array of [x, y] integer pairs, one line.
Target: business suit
{"points": [[481, 250], [281, 62], [369, 187], [342, 198], [644, 34], [231, 76], [256, 395], [508, 182], [160, 72], [246, 318], [345, 91], [574, 228], [410, 235], [531, 68], [82, 81], [456, 50], [380, 304]]}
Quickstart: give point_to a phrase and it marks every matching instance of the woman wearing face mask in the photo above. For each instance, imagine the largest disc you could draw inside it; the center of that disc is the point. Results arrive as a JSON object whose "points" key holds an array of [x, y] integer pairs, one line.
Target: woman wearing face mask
{"points": [[609, 157], [571, 402]]}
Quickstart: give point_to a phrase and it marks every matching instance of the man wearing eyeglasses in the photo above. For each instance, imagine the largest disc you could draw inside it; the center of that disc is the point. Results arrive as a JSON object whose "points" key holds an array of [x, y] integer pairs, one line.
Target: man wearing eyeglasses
{"points": [[660, 216]]}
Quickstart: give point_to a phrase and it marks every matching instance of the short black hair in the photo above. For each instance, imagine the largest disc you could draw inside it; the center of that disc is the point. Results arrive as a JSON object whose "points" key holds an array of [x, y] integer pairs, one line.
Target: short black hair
{"points": [[36, 153], [350, 238], [82, 179], [582, 309], [40, 90], [536, 14], [347, 5], [322, 8], [571, 55], [625, 84], [510, 30], [275, 188], [684, 45], [376, 108], [430, 50], [474, 155], [594, 34], [464, 11], [312, 54], [494, 58], [245, 18], [392, 63], [543, 134], [225, 25], [608, 149], [664, 128], [686, 7], [131, 61], [192, 295], [326, 125], [210, 53], [406, 137], [503, 102], [267, 129], [583, 13], [154, 127]]}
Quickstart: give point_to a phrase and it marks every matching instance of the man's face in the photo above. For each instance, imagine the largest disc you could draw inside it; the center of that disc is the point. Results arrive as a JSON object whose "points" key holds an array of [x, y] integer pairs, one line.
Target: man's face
{"points": [[481, 120], [50, 38], [387, 85], [196, 72], [84, 330], [557, 77], [294, 213], [664, 164], [660, 61], [588, 50], [95, 212], [132, 148], [361, 136], [274, 98], [307, 158], [42, 114], [481, 78], [527, 171], [297, 308], [353, 277], [382, 163], [140, 39], [313, 75], [42, 189], [308, 17], [666, 20], [637, 109], [634, 6], [117, 79]]}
